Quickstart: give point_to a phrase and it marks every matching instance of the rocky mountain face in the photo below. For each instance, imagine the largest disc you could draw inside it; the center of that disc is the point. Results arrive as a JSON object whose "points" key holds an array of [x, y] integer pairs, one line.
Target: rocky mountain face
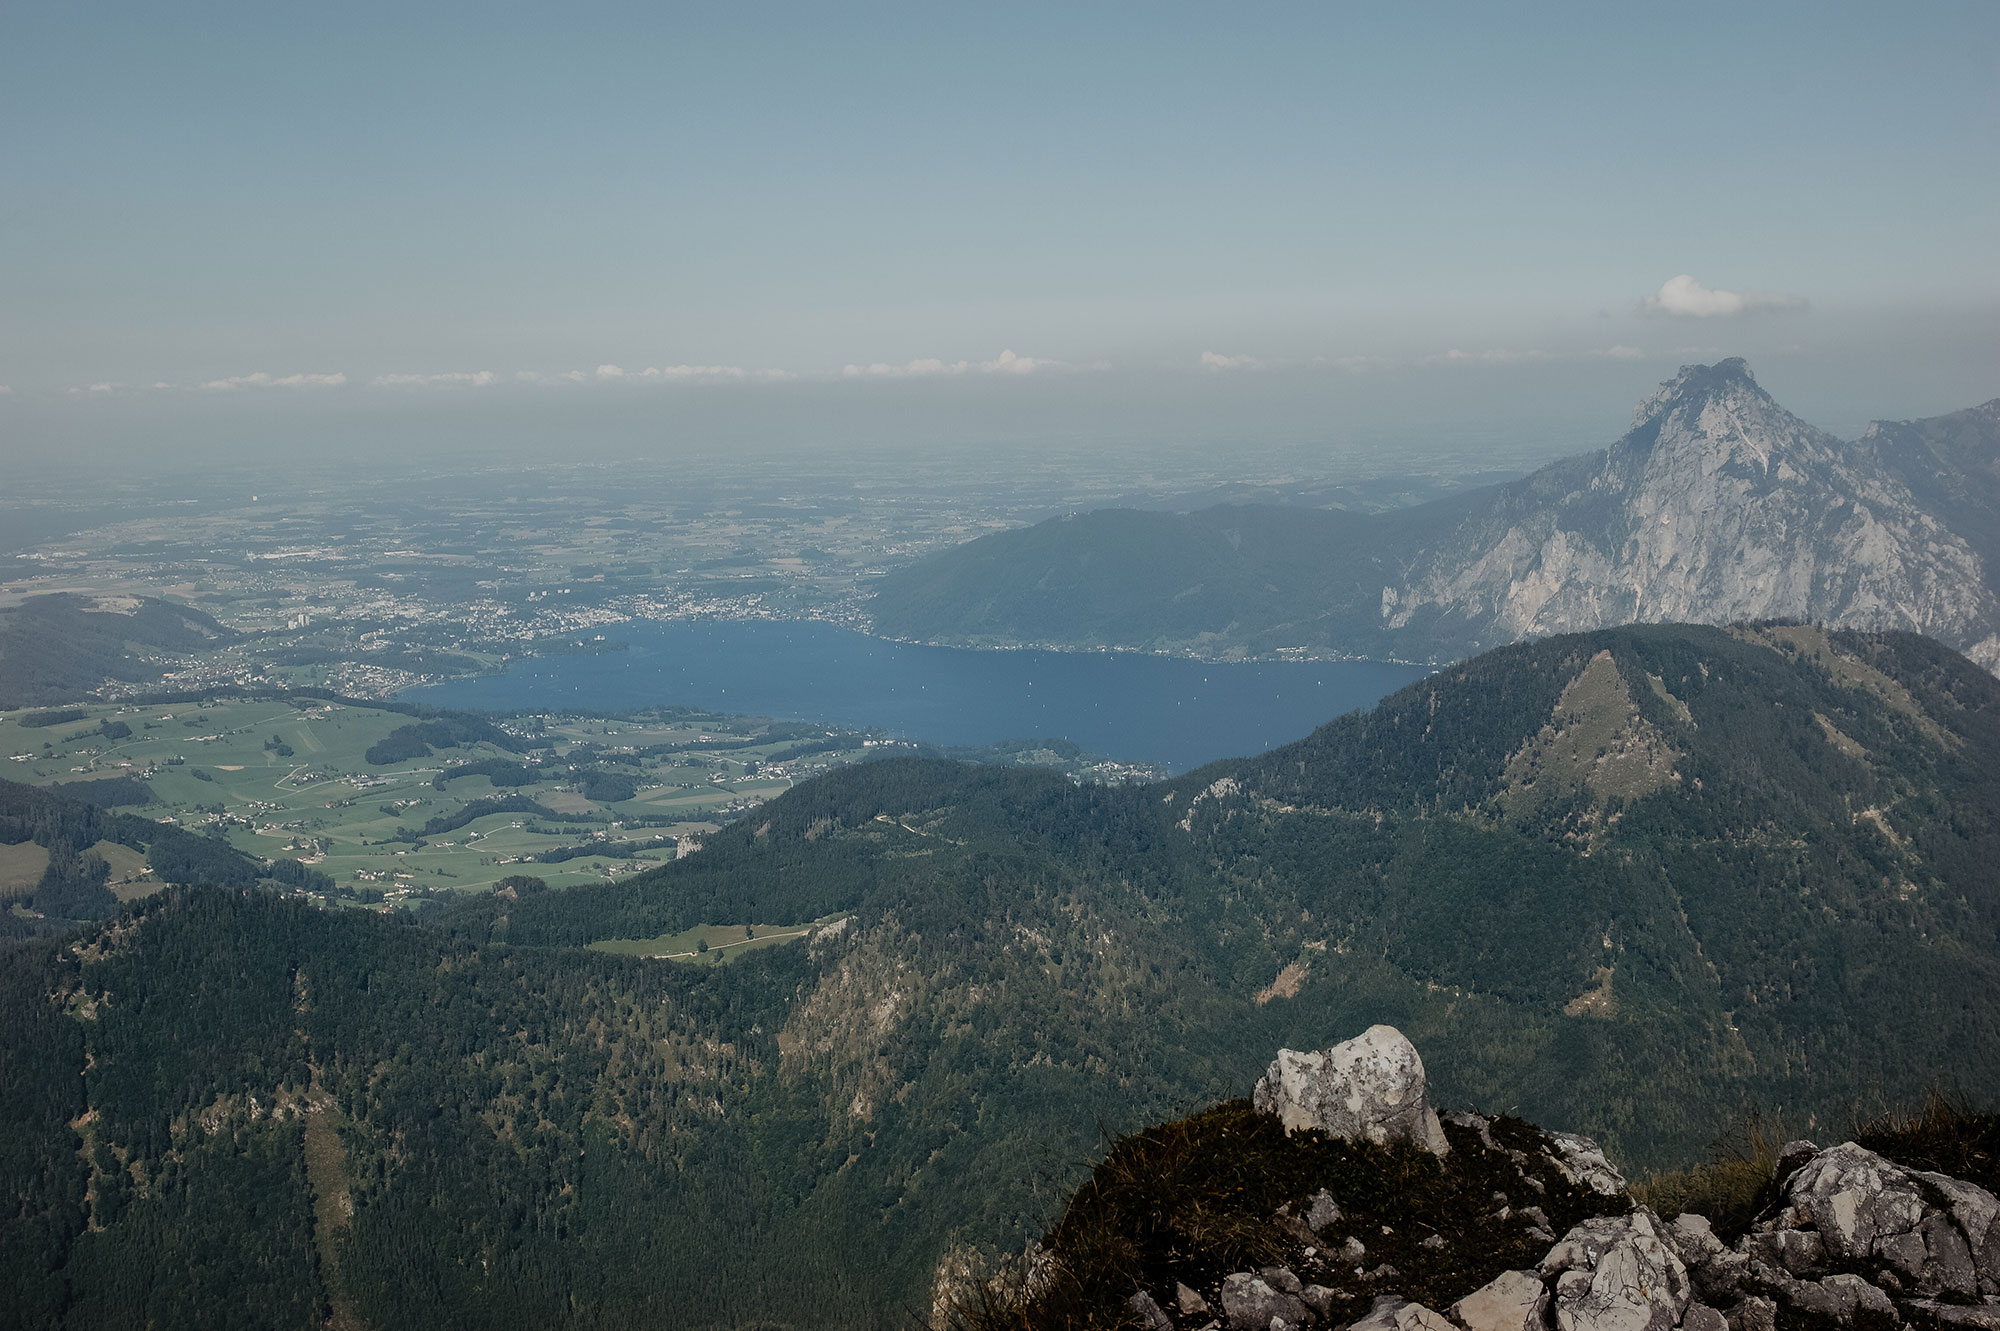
{"points": [[1338, 1207], [1718, 506]]}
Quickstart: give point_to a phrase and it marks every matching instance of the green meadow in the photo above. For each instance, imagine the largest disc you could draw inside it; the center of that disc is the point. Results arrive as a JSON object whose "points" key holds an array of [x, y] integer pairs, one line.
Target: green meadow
{"points": [[290, 777], [713, 944]]}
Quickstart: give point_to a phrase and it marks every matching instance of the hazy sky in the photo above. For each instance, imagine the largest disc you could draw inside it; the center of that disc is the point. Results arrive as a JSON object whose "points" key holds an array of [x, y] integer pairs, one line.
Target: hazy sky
{"points": [[401, 212]]}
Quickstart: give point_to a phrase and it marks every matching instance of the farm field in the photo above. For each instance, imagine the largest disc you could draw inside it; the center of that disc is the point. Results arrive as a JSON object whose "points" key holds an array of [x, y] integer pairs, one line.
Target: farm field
{"points": [[396, 808], [713, 944]]}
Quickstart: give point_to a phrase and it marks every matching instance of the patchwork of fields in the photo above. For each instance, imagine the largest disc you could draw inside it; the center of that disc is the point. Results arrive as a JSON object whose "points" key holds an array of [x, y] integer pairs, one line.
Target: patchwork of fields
{"points": [[578, 798]]}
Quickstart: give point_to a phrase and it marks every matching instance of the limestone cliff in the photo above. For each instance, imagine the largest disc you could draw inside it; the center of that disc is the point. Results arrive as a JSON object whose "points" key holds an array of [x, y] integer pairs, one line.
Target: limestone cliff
{"points": [[1719, 505]]}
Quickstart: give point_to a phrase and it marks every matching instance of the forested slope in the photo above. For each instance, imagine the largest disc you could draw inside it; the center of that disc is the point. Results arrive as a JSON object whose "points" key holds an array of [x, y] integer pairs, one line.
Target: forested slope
{"points": [[1628, 883], [60, 647]]}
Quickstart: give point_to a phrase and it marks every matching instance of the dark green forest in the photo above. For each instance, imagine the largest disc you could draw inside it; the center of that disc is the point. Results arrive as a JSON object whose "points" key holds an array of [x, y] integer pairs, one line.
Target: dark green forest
{"points": [[56, 647], [1630, 883]]}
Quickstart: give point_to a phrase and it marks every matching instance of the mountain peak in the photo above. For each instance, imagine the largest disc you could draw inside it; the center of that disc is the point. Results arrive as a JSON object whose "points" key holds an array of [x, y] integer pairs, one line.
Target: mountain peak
{"points": [[1696, 385]]}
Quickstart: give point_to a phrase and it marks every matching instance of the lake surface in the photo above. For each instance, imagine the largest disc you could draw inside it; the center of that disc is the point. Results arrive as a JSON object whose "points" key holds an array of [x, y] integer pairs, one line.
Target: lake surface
{"points": [[1136, 708]]}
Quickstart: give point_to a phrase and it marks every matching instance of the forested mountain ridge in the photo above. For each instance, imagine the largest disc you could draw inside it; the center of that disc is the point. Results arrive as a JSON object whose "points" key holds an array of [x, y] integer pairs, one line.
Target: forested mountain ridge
{"points": [[1629, 882], [59, 646], [1717, 506]]}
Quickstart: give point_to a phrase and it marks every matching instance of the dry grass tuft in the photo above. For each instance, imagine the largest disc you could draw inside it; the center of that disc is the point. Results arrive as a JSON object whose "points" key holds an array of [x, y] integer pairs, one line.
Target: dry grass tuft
{"points": [[1945, 1135], [1731, 1188]]}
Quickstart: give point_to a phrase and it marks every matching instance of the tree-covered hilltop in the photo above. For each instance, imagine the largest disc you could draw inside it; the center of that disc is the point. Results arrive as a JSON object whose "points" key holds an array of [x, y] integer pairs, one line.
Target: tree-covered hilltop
{"points": [[1629, 882], [1236, 577], [60, 646]]}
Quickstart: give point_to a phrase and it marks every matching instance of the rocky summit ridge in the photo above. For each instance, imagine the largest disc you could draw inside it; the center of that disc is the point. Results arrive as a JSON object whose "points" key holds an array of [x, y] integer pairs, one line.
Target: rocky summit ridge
{"points": [[1718, 506], [1504, 1228]]}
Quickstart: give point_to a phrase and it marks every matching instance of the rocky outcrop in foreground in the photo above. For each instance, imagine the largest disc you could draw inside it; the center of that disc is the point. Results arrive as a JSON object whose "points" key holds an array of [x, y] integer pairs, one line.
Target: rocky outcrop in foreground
{"points": [[1502, 1227], [1859, 1242], [1371, 1087]]}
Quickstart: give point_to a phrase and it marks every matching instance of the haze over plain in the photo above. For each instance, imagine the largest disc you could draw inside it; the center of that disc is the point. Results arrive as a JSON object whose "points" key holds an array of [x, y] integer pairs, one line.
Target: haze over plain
{"points": [[239, 231]]}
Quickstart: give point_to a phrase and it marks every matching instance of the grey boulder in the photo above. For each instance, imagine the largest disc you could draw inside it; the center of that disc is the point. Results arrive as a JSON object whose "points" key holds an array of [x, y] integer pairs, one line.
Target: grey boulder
{"points": [[1392, 1313], [1583, 1162], [1149, 1312], [1249, 1304], [1371, 1088], [1618, 1273], [1855, 1199], [1511, 1301]]}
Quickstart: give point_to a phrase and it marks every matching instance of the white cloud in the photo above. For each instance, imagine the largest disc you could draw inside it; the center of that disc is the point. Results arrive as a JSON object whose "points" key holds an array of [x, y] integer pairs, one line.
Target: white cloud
{"points": [[1359, 364], [6, 390], [1685, 298], [161, 383], [1215, 360], [1620, 353], [931, 367], [263, 380], [606, 374], [448, 379], [710, 373], [1492, 356]]}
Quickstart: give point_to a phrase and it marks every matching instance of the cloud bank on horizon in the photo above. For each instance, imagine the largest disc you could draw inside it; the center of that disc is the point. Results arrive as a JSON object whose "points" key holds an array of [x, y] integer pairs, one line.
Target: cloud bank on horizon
{"points": [[933, 367], [1684, 297]]}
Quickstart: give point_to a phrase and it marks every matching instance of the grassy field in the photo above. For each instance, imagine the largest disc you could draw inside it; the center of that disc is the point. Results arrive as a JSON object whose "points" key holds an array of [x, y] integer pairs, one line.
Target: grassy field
{"points": [[290, 778], [712, 944], [20, 869]]}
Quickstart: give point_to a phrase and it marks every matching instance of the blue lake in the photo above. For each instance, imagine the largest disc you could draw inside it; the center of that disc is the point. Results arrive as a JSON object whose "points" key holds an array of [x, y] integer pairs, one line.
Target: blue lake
{"points": [[1136, 708]]}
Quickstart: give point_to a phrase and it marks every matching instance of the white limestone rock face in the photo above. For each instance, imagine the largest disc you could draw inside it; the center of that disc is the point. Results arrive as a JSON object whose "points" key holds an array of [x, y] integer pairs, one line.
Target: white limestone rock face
{"points": [[1371, 1088], [1855, 1199], [1394, 1313], [1251, 1304], [1719, 506], [1583, 1162], [1512, 1301], [1618, 1273]]}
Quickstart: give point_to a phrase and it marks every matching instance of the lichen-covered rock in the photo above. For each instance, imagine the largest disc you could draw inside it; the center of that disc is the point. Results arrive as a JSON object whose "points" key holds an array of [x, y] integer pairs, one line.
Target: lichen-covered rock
{"points": [[1948, 1265], [1801, 1252], [1371, 1088], [1755, 1313], [1861, 1304], [1149, 1312], [1790, 1156], [1320, 1299], [1582, 1161], [1930, 1315], [1391, 1313], [1693, 1239], [1903, 1254], [1249, 1303], [1618, 1273], [1718, 1274], [1854, 1198], [1322, 1211], [1973, 1209], [1512, 1301], [1479, 1123]]}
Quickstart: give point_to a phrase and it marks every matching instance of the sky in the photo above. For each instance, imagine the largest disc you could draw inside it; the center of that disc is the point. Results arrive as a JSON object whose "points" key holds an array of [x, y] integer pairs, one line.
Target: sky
{"points": [[658, 224]]}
